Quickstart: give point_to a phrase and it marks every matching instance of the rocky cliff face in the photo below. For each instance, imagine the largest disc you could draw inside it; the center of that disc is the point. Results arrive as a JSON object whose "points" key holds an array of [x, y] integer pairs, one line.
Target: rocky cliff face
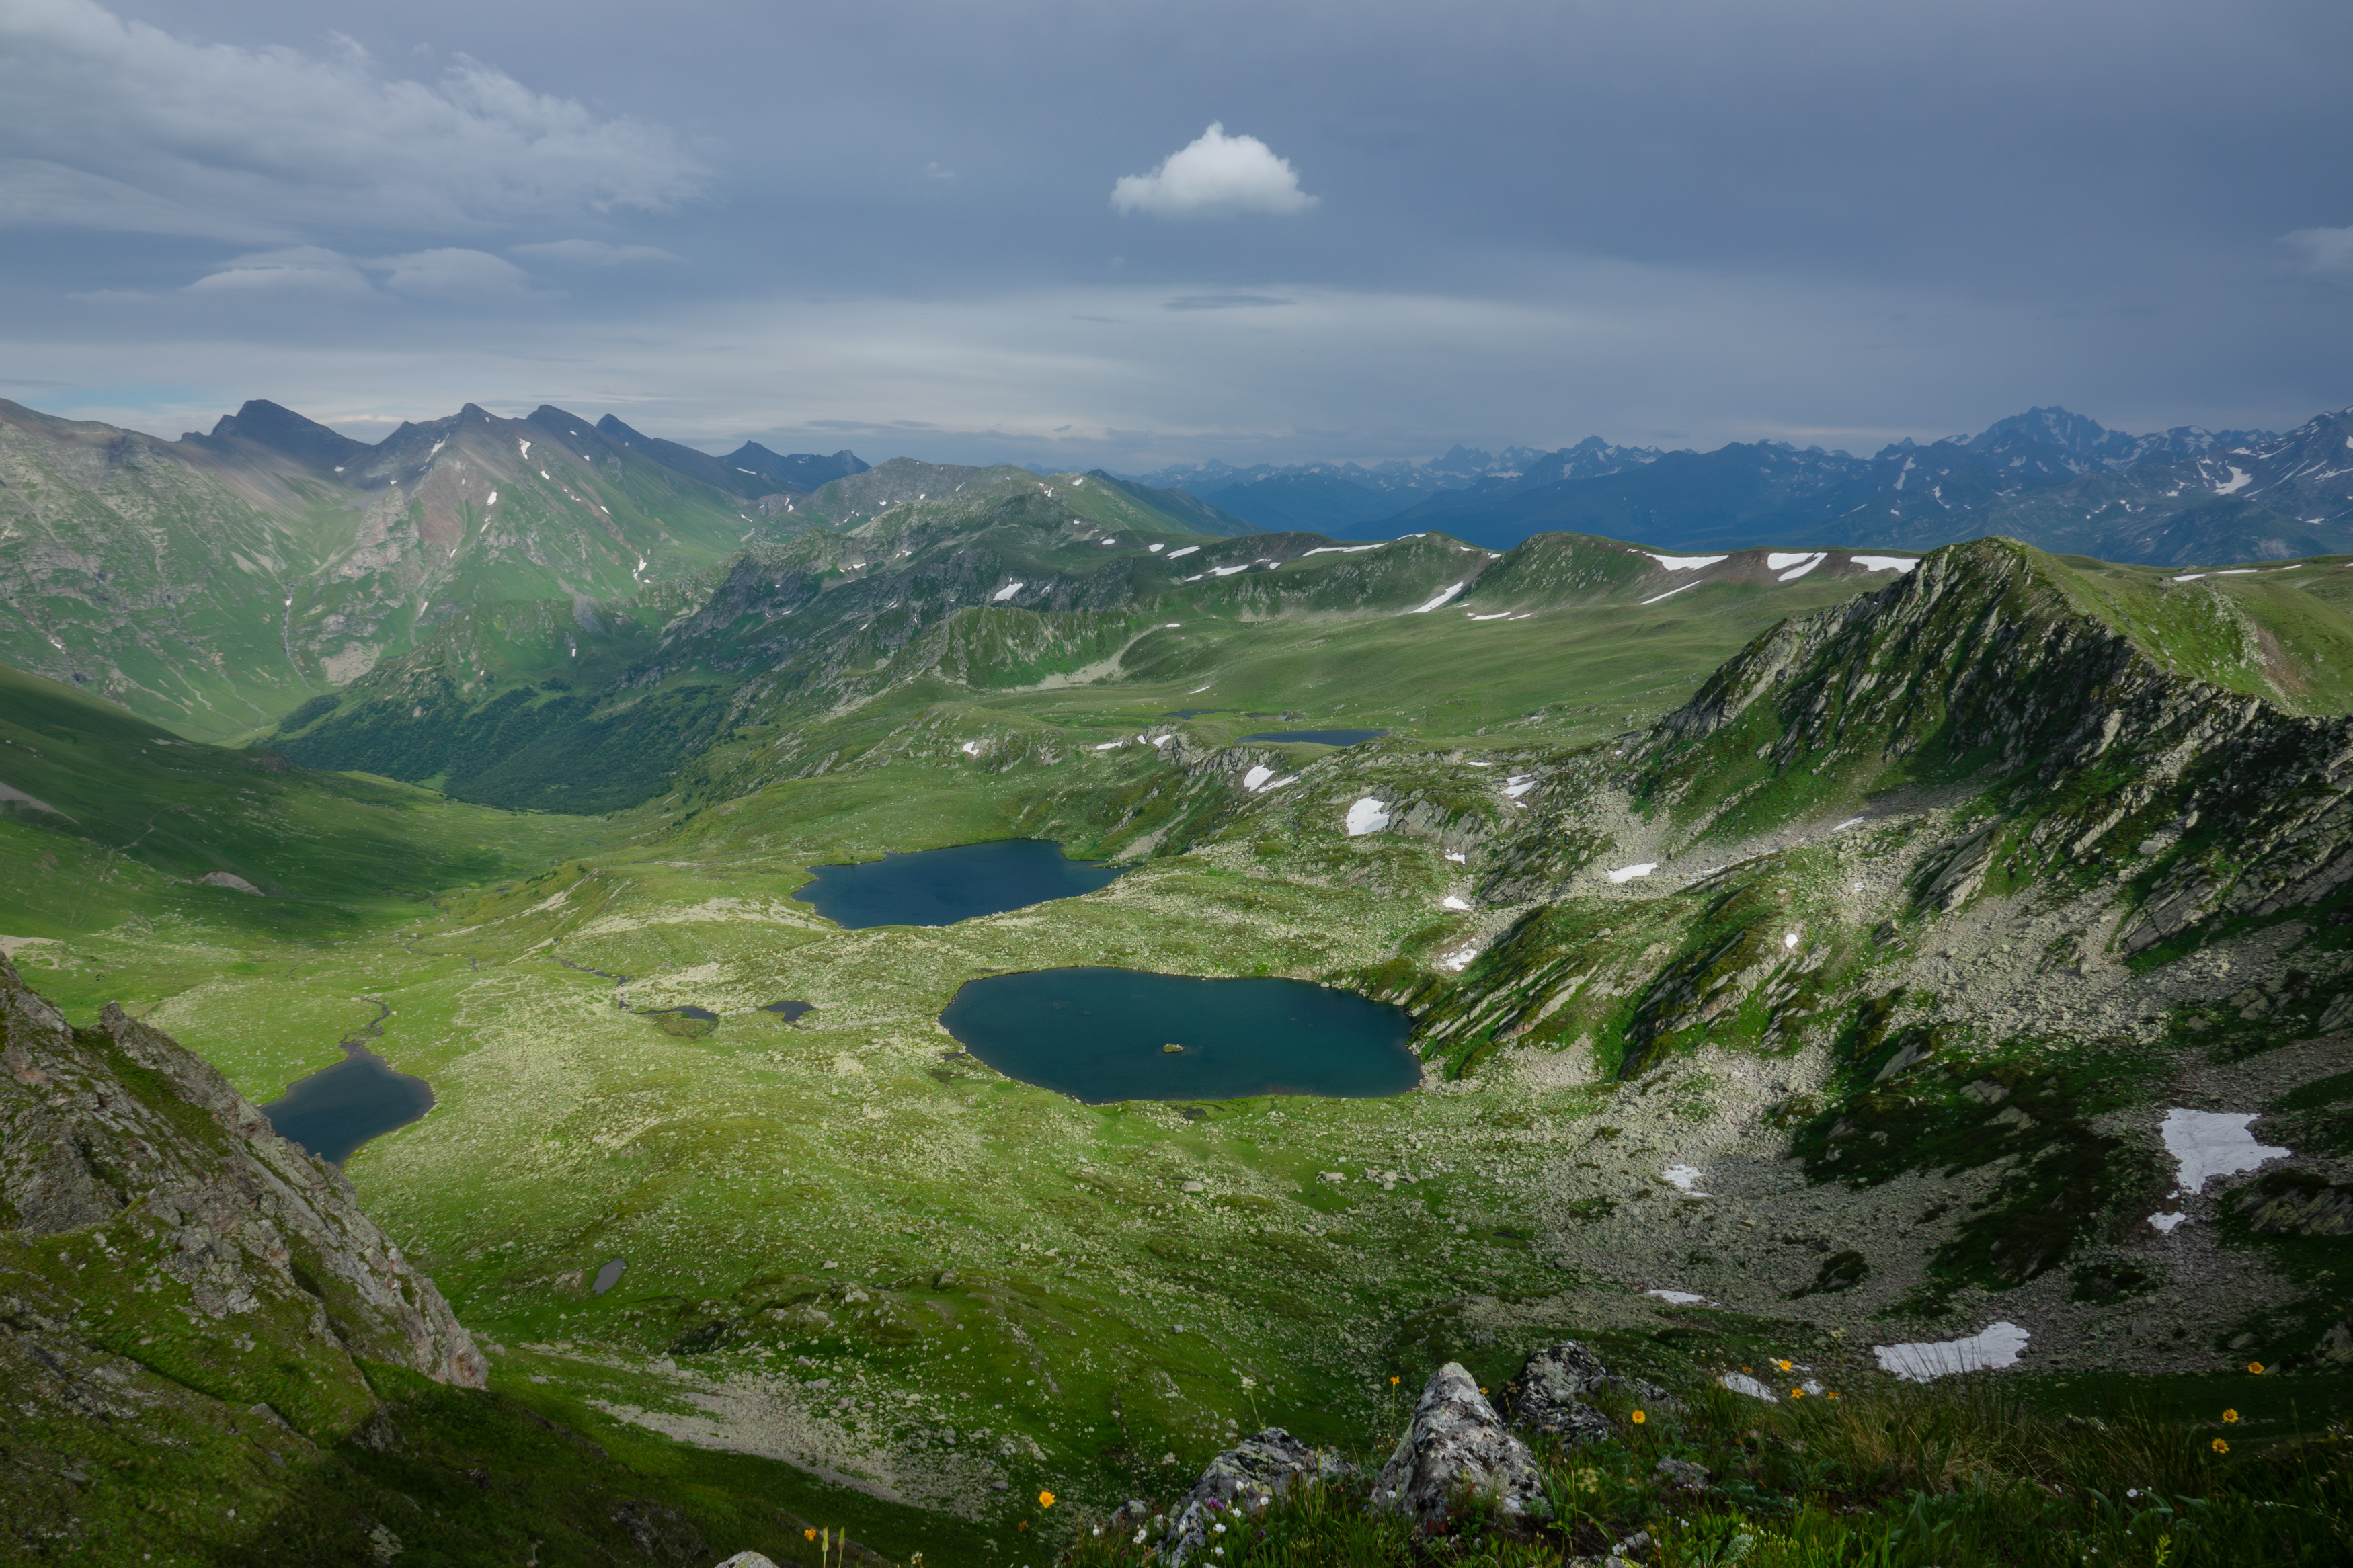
{"points": [[130, 1168]]}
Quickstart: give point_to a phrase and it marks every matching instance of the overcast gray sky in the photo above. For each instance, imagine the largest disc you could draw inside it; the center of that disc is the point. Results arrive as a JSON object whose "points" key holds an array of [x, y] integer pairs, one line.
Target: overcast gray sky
{"points": [[1081, 232]]}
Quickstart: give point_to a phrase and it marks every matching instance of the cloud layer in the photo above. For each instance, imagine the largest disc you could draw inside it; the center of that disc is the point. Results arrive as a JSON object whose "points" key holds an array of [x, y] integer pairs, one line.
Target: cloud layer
{"points": [[115, 124], [1216, 176]]}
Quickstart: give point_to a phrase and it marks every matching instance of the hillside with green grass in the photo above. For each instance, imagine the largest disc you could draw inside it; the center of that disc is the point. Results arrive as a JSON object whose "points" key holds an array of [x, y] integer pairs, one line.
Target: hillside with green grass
{"points": [[1809, 953], [219, 581]]}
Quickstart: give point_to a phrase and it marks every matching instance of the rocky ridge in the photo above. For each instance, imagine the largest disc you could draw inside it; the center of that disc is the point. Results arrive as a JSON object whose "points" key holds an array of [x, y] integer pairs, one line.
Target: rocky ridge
{"points": [[118, 1145]]}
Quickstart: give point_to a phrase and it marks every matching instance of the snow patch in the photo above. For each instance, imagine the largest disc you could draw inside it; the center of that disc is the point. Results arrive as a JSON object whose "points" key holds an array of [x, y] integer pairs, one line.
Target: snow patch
{"points": [[2166, 1222], [1451, 902], [1899, 564], [1628, 873], [1456, 962], [1156, 549], [2214, 1143], [2240, 479], [1441, 598], [1850, 822], [1805, 564], [1684, 562], [1498, 615], [1367, 815], [493, 500], [1998, 1345], [1458, 857], [1343, 549], [519, 441], [1669, 594], [1741, 1382], [1006, 593], [1683, 1178], [1180, 554], [1676, 1297], [970, 748], [1256, 777]]}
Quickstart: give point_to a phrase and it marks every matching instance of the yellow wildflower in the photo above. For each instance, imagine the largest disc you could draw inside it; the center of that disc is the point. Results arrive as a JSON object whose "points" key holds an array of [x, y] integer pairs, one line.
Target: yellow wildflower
{"points": [[2229, 1417], [1045, 1500], [2220, 1446], [2256, 1367], [1639, 1418]]}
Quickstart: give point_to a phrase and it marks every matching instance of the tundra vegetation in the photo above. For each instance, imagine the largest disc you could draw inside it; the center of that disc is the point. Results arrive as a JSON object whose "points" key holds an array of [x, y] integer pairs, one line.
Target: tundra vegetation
{"points": [[1808, 954]]}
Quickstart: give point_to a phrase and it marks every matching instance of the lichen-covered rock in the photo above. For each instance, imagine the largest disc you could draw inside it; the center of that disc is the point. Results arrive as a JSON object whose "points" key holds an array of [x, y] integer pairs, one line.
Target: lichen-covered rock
{"points": [[1456, 1446], [119, 1132], [1550, 1394], [1240, 1480]]}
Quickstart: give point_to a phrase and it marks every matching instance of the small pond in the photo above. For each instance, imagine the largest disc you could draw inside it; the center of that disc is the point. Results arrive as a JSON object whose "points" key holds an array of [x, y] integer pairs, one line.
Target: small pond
{"points": [[941, 887], [337, 1108], [1103, 1035], [1320, 737]]}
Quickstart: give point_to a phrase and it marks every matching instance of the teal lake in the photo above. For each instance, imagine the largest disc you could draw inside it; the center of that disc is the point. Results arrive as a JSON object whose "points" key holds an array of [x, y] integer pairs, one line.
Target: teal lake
{"points": [[941, 887], [1101, 1035]]}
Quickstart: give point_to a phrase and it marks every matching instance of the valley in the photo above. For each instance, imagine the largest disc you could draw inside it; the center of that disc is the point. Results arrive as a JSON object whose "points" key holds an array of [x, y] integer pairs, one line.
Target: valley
{"points": [[1804, 950]]}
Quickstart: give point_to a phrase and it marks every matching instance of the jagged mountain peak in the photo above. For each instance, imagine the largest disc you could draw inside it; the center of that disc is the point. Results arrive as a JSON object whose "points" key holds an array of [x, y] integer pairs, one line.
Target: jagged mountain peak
{"points": [[281, 430]]}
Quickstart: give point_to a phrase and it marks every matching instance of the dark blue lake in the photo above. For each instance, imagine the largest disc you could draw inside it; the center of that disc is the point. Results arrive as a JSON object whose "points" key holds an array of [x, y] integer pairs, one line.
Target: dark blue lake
{"points": [[941, 887], [1320, 737], [1101, 1035], [337, 1108]]}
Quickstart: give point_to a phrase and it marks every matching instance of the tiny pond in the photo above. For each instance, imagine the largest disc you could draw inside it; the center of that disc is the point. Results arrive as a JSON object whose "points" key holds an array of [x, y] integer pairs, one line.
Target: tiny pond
{"points": [[1102, 1035], [941, 887]]}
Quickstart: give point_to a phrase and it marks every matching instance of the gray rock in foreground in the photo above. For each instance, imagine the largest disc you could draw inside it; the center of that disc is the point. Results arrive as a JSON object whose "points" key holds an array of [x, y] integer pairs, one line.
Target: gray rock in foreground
{"points": [[1456, 1445], [1260, 1466]]}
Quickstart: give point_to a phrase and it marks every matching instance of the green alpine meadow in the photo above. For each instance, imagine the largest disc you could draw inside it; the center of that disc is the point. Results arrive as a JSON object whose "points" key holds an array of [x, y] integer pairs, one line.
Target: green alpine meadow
{"points": [[1875, 1011]]}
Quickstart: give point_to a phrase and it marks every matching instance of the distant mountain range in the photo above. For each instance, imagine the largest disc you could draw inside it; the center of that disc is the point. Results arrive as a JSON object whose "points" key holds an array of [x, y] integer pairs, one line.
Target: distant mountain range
{"points": [[2048, 476]]}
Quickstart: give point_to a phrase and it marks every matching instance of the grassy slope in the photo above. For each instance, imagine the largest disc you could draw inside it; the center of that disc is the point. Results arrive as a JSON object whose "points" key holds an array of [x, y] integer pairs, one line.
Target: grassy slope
{"points": [[804, 1186]]}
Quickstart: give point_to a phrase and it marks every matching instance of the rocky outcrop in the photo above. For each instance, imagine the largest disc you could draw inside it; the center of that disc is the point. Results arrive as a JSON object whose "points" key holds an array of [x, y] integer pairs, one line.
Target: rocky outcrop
{"points": [[1456, 1448], [1549, 1394], [1244, 1477], [119, 1135]]}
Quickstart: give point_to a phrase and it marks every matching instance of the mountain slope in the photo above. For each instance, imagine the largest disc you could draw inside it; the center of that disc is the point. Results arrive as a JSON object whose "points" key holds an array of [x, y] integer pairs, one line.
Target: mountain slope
{"points": [[213, 1352], [216, 582]]}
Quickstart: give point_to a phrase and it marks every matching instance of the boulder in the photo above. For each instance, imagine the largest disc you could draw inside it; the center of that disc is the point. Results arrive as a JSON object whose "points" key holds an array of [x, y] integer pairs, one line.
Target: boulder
{"points": [[1456, 1445], [1550, 1394], [1241, 1480]]}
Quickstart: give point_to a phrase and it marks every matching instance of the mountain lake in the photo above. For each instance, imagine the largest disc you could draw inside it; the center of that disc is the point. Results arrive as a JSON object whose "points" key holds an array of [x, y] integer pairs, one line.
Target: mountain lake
{"points": [[1320, 737], [339, 1107], [941, 887], [1103, 1035]]}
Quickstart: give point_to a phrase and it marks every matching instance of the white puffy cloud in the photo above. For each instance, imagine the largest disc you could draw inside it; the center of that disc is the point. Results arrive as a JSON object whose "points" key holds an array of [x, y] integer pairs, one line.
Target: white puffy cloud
{"points": [[591, 252], [1216, 176], [118, 124], [2323, 252]]}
